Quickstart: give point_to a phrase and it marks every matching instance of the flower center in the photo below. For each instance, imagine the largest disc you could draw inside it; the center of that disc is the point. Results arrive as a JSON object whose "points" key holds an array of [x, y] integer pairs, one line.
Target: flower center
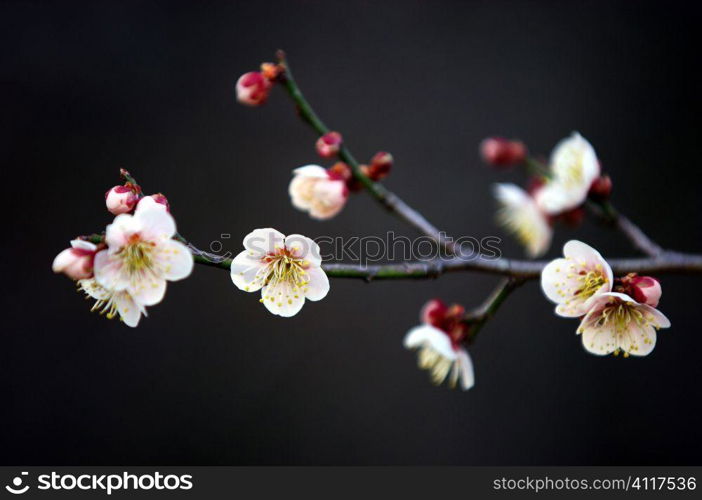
{"points": [[137, 255], [589, 283], [285, 277]]}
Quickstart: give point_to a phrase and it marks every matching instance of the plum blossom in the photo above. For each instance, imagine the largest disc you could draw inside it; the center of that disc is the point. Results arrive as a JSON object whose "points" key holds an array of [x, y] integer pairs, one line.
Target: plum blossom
{"points": [[141, 254], [520, 215], [322, 193], [287, 270], [573, 168], [438, 343], [113, 303], [76, 262], [616, 322], [576, 280]]}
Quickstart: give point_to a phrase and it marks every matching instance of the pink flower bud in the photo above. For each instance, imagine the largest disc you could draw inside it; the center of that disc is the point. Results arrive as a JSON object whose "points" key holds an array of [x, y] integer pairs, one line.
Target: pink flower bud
{"points": [[158, 198], [76, 262], [646, 290], [601, 188], [500, 152], [252, 88], [380, 166], [433, 313], [120, 200], [328, 145]]}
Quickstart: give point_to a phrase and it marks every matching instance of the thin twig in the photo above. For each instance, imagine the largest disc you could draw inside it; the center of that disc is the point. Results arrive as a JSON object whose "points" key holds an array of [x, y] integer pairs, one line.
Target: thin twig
{"points": [[386, 198]]}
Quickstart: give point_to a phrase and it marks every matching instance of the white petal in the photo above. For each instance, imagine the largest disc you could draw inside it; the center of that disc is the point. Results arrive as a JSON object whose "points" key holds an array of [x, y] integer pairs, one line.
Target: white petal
{"points": [[465, 367], [264, 241], [247, 272], [174, 260], [314, 171], [520, 215], [639, 340], [128, 310], [596, 340], [282, 300], [83, 245], [304, 248], [654, 316], [117, 234], [552, 278], [155, 223], [109, 271], [318, 285], [148, 290], [424, 335], [580, 251]]}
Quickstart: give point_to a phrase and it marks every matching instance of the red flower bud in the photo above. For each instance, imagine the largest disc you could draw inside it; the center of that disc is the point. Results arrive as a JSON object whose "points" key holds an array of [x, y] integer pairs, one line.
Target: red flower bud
{"points": [[601, 188], [340, 170], [433, 313], [380, 165], [252, 88], [328, 145], [500, 152]]}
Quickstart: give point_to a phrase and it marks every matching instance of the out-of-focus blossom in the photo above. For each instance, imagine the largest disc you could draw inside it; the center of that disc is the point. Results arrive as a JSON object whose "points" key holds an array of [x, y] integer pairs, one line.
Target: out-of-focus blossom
{"points": [[287, 270], [141, 254], [121, 199], [576, 280], [329, 144], [253, 88], [76, 262], [113, 303], [616, 322], [519, 214], [500, 152], [322, 193], [573, 168], [438, 341]]}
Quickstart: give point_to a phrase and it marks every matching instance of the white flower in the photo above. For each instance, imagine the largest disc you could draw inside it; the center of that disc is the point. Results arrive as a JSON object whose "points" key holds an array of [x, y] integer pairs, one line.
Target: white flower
{"points": [[574, 282], [141, 256], [285, 268], [440, 356], [112, 303], [318, 191], [76, 262], [520, 215], [574, 167], [617, 322]]}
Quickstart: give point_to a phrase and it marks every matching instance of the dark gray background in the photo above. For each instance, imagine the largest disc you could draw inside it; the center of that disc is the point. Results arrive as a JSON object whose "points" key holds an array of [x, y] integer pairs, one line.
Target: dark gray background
{"points": [[211, 377]]}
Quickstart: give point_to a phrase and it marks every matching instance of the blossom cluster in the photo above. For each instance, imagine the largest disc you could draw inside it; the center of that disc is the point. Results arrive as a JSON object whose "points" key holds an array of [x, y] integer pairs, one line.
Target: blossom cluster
{"points": [[556, 193], [616, 315], [127, 270]]}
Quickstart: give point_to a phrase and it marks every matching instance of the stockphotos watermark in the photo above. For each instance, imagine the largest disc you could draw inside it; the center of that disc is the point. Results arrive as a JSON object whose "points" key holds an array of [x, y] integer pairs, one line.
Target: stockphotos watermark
{"points": [[364, 250], [105, 483]]}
